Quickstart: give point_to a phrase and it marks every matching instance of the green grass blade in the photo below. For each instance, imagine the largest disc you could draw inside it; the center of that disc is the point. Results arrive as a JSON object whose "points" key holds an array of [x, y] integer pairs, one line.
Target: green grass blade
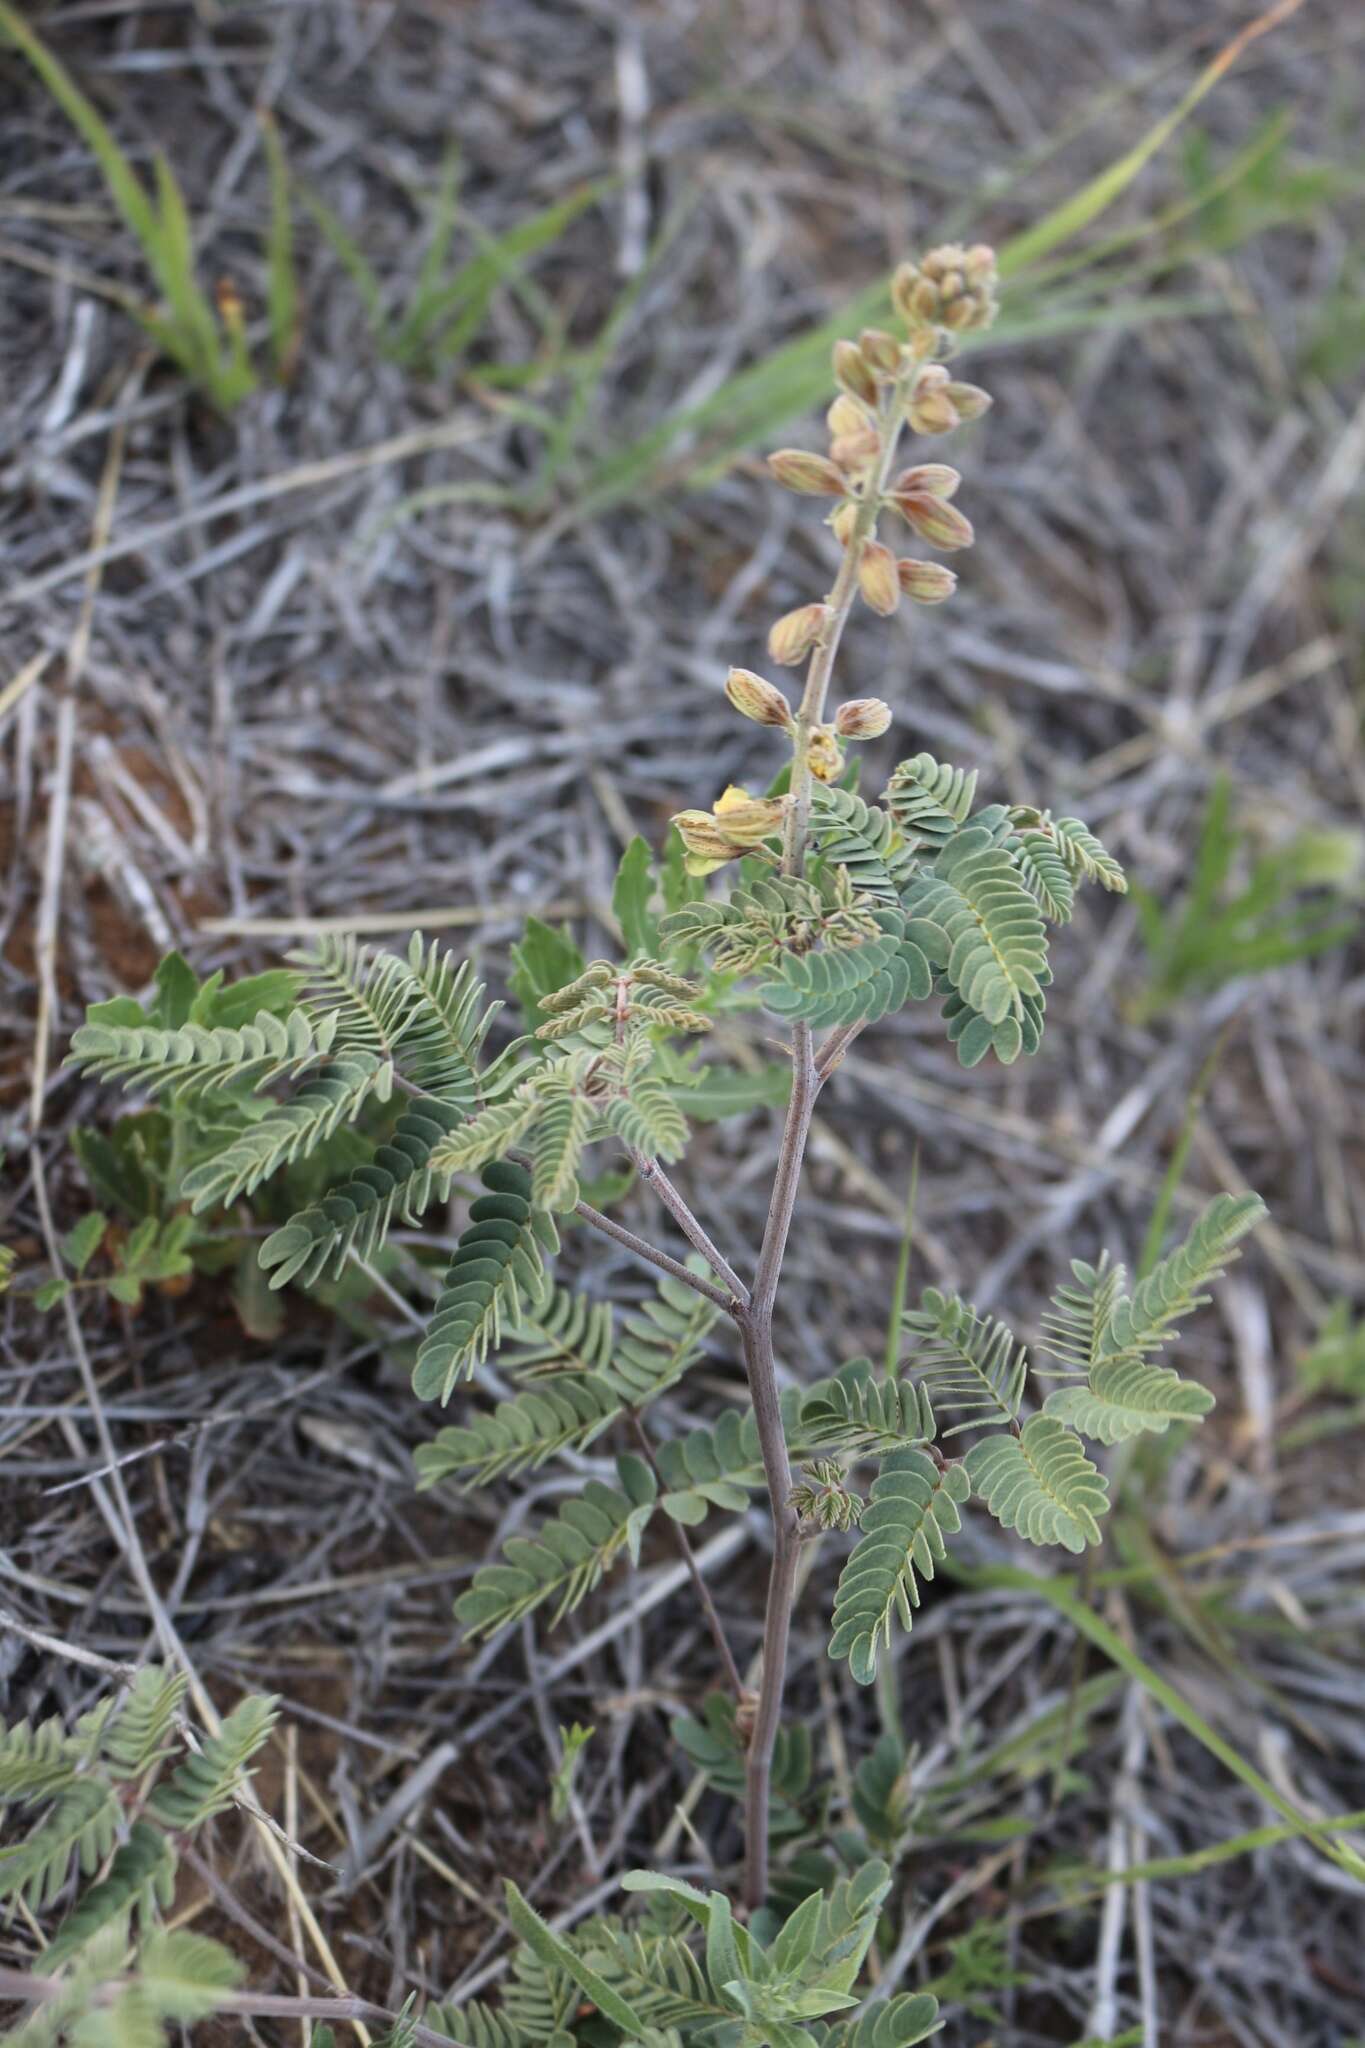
{"points": [[125, 188], [1096, 197], [351, 257], [465, 300], [1111, 1645], [413, 329]]}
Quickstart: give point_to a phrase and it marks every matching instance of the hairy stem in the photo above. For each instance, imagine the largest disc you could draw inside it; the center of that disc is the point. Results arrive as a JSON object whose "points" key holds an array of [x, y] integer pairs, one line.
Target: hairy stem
{"points": [[756, 1321]]}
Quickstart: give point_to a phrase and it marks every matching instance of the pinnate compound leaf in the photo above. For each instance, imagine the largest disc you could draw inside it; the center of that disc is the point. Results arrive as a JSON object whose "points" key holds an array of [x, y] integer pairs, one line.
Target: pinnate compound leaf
{"points": [[913, 1509], [1041, 1483], [1127, 1396]]}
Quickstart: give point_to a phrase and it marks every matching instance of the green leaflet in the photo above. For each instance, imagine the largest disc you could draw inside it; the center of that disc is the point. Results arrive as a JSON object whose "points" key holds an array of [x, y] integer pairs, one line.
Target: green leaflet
{"points": [[714, 1744], [566, 1557], [498, 1261], [929, 800], [556, 1953], [1141, 1322], [857, 983], [196, 1057], [899, 2023], [1041, 1483], [968, 1362], [357, 1214], [996, 937], [912, 1510], [850, 833], [290, 1131], [858, 1411], [1127, 1396], [1043, 870], [141, 1875], [208, 1781], [588, 1390]]}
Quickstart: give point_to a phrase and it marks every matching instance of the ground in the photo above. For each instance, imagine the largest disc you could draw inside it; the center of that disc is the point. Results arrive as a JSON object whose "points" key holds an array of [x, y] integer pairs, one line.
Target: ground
{"points": [[410, 645]]}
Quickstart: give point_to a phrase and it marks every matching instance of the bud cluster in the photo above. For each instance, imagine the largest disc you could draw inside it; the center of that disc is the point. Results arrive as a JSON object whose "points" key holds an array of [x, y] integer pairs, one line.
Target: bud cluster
{"points": [[884, 385], [951, 287]]}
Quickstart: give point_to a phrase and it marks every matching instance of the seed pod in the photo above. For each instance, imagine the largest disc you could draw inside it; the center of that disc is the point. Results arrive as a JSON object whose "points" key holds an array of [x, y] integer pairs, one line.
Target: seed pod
{"points": [[935, 477], [853, 373], [925, 582], [826, 756], [791, 638], [934, 519], [815, 476], [862, 718], [969, 400], [880, 349], [758, 699], [877, 578]]}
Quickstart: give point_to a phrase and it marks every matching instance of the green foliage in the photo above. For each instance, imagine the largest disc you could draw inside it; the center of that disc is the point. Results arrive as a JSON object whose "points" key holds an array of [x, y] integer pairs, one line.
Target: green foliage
{"points": [[930, 800], [193, 1059], [773, 915], [498, 1264], [1336, 1361], [968, 1362], [589, 1375], [1126, 1397], [912, 1511], [807, 1970], [1292, 905], [566, 1557], [291, 1131], [860, 983], [997, 951], [446, 310], [714, 1743], [573, 1742], [882, 1800], [859, 1412], [1040, 1483], [356, 1215], [207, 343], [102, 1795], [850, 833]]}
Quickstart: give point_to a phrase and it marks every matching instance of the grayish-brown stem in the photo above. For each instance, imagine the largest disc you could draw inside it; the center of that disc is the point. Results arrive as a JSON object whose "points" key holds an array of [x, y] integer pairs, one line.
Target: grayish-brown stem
{"points": [[663, 1260], [756, 1322], [685, 1551], [654, 1176]]}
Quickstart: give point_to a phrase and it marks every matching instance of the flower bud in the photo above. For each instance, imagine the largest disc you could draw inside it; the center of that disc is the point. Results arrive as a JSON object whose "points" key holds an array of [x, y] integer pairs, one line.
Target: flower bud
{"points": [[969, 401], [877, 578], [853, 373], [880, 349], [738, 824], [826, 756], [925, 582], [930, 410], [848, 416], [757, 699], [934, 519], [843, 522], [856, 452], [935, 477], [862, 718], [815, 476], [749, 820], [794, 634]]}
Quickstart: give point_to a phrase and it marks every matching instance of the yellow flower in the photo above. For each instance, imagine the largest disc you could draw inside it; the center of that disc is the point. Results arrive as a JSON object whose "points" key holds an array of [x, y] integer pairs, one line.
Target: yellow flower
{"points": [[738, 824]]}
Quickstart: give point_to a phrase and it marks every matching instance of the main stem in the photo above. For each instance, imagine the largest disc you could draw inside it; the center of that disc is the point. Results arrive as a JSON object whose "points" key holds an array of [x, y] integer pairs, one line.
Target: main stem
{"points": [[756, 1319]]}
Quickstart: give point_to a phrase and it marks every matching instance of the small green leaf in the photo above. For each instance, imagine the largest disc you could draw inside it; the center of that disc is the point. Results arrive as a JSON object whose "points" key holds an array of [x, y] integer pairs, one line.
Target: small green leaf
{"points": [[556, 1954], [630, 899], [80, 1244], [50, 1293], [176, 985]]}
